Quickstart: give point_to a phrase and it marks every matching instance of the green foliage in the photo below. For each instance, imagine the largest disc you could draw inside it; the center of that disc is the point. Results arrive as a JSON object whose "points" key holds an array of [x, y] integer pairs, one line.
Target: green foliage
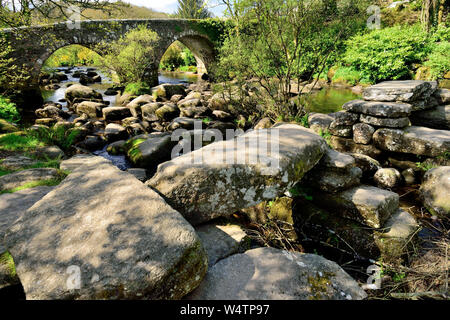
{"points": [[131, 56], [192, 9], [172, 58], [7, 260], [281, 42], [304, 120], [206, 120], [215, 29], [301, 191], [19, 141], [326, 135], [387, 53], [12, 77], [56, 135], [138, 88], [188, 58], [347, 75], [439, 60], [72, 55], [178, 57], [4, 172], [8, 110], [425, 166]]}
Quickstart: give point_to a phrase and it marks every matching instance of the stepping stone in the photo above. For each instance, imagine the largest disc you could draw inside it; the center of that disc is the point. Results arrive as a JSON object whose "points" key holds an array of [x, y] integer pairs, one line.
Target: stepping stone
{"points": [[435, 191], [79, 160], [90, 108], [274, 274], [240, 179], [438, 118], [149, 150], [348, 145], [116, 113], [115, 132], [406, 91], [395, 237], [379, 109], [368, 205], [220, 241], [102, 234], [16, 162], [20, 178], [335, 172], [416, 140], [385, 122]]}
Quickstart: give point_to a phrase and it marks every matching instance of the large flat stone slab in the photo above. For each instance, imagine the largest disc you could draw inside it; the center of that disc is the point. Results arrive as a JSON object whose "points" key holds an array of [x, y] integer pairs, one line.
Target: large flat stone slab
{"points": [[438, 118], [80, 160], [385, 122], [20, 178], [226, 176], [102, 234], [379, 109], [350, 146], [368, 205], [415, 140], [406, 91], [273, 274]]}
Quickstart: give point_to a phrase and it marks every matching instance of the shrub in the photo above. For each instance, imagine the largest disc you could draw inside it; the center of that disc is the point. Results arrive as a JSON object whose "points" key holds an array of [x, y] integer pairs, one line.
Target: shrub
{"points": [[347, 75], [387, 53], [138, 88], [172, 58], [131, 56], [56, 135], [188, 58], [439, 60], [8, 110]]}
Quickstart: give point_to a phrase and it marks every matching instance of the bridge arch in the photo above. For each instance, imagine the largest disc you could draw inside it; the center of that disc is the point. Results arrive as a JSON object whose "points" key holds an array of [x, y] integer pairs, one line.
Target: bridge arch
{"points": [[38, 43]]}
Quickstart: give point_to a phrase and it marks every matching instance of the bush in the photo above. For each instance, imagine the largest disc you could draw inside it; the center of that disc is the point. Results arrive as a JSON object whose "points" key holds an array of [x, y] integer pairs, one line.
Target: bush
{"points": [[56, 135], [347, 75], [387, 53], [172, 58], [8, 110], [138, 88], [439, 60], [188, 58], [131, 56]]}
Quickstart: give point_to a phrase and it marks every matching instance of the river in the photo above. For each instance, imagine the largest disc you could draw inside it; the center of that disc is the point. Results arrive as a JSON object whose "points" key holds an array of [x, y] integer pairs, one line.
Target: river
{"points": [[327, 100]]}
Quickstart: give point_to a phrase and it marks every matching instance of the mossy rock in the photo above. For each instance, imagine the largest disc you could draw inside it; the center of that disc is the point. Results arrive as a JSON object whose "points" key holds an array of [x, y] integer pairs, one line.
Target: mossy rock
{"points": [[423, 73]]}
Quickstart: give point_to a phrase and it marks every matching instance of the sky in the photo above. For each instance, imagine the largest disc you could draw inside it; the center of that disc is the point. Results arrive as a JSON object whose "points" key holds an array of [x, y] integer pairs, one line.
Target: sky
{"points": [[170, 6]]}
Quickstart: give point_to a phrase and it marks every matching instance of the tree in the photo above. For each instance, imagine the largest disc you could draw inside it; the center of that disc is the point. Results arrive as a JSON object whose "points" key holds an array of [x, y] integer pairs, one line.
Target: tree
{"points": [[131, 56], [432, 13], [16, 13], [192, 9], [283, 43]]}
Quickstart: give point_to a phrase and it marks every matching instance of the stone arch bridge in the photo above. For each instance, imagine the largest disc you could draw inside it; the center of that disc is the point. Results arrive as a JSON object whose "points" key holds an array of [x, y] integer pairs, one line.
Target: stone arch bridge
{"points": [[34, 45]]}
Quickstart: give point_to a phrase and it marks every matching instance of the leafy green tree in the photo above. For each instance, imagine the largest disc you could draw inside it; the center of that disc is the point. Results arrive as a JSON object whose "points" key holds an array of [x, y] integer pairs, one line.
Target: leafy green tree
{"points": [[131, 56], [280, 44], [192, 9], [16, 13]]}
